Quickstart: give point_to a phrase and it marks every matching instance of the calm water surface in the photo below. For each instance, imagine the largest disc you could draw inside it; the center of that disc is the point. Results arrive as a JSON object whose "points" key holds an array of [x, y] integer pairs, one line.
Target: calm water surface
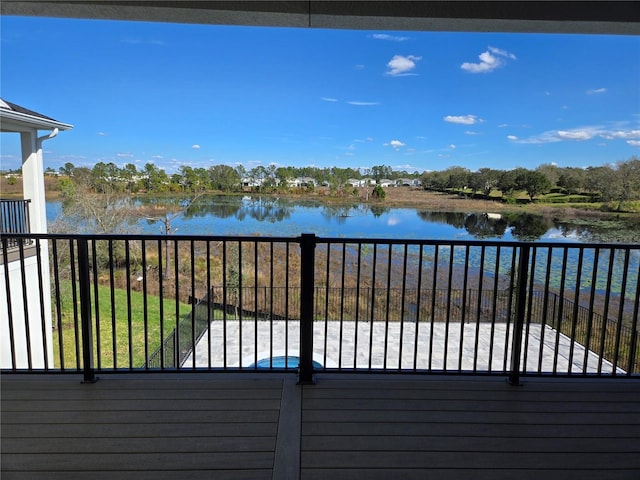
{"points": [[270, 216]]}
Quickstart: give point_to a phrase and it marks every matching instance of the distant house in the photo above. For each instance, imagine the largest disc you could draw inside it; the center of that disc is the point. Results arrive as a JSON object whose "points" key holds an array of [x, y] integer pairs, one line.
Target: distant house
{"points": [[385, 182], [302, 182], [367, 182], [354, 182], [409, 182], [250, 182]]}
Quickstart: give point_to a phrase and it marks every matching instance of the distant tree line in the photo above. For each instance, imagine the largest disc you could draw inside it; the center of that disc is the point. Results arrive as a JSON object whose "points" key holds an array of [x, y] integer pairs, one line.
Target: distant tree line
{"points": [[616, 183], [109, 178]]}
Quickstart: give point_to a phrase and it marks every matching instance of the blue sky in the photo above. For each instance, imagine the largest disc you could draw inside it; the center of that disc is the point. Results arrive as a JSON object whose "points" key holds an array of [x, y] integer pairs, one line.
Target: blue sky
{"points": [[201, 95]]}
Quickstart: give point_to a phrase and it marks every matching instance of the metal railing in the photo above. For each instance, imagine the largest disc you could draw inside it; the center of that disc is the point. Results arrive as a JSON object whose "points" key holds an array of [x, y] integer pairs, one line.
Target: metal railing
{"points": [[307, 304], [14, 218]]}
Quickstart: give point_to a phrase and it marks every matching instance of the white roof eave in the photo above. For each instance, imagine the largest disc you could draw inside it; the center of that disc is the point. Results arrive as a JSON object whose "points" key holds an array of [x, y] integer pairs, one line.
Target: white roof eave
{"points": [[11, 121]]}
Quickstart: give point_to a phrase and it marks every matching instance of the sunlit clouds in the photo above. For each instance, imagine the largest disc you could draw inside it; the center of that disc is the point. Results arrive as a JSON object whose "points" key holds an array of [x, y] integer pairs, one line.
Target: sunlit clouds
{"points": [[391, 38], [400, 65], [463, 119], [631, 136], [489, 61]]}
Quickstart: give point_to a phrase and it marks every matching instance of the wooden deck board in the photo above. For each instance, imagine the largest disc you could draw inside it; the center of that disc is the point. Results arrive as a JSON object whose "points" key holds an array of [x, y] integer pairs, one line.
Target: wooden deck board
{"points": [[140, 424], [351, 426], [483, 428]]}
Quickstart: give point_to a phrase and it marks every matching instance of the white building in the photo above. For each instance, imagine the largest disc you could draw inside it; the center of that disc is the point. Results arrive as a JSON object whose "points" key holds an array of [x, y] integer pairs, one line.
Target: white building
{"points": [[20, 279]]}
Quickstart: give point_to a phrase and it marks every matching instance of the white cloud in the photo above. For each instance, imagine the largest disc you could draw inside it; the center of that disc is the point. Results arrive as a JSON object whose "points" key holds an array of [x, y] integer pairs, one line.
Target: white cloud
{"points": [[471, 132], [583, 134], [622, 134], [195, 147], [396, 144], [502, 53], [102, 134], [594, 91], [452, 146], [634, 143], [400, 65], [463, 119], [124, 155], [512, 137], [363, 104], [157, 157], [392, 38], [327, 99], [489, 61], [575, 134]]}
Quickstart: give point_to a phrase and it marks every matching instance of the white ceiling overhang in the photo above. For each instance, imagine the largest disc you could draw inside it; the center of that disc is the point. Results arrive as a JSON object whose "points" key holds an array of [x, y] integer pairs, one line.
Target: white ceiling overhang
{"points": [[595, 17]]}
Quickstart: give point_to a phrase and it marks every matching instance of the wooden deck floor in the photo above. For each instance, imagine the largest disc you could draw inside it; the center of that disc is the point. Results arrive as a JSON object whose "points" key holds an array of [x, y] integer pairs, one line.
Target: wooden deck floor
{"points": [[192, 426]]}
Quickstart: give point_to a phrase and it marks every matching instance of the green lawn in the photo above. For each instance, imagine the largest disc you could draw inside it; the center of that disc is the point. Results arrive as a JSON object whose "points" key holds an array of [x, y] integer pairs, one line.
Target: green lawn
{"points": [[129, 349]]}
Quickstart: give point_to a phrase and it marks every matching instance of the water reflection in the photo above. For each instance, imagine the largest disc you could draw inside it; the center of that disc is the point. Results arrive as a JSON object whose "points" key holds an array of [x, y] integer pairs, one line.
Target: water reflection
{"points": [[232, 215], [524, 226], [261, 209]]}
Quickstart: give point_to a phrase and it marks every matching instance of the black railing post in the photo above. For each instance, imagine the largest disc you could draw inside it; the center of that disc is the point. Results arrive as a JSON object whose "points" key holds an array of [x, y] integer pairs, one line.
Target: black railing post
{"points": [[307, 276], [85, 311], [521, 307]]}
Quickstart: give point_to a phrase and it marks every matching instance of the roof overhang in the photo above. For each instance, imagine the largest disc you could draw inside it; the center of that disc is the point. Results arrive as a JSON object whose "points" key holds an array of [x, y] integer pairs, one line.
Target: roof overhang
{"points": [[586, 17], [22, 121]]}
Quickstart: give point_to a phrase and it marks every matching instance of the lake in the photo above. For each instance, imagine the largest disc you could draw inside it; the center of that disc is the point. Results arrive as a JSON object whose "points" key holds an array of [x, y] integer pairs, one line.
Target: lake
{"points": [[273, 216]]}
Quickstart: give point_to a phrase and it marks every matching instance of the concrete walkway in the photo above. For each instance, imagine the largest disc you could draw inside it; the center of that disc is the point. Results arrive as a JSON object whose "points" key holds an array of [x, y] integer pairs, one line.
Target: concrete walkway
{"points": [[394, 345]]}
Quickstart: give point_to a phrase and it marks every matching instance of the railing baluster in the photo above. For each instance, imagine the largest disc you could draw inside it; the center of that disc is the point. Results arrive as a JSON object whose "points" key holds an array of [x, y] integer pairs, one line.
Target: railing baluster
{"points": [[58, 306], [479, 309], [112, 298], [494, 309], [96, 302], [326, 305], [85, 311], [416, 336], [631, 367], [403, 297], [521, 305], [592, 298], [307, 280], [5, 264], [463, 315], [357, 306], [576, 309], [621, 301], [163, 357], [433, 305], [372, 298], [43, 326]]}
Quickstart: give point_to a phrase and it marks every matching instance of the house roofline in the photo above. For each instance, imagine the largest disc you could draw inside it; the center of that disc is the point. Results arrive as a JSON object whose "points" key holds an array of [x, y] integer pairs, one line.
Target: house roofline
{"points": [[14, 118]]}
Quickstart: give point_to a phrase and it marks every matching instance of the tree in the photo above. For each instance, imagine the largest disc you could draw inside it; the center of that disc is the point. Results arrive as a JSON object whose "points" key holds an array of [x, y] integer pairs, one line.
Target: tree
{"points": [[602, 181], [572, 180], [67, 169], [532, 182], [551, 171], [458, 178], [156, 180], [507, 181], [484, 180], [224, 178], [378, 192], [379, 172], [628, 174]]}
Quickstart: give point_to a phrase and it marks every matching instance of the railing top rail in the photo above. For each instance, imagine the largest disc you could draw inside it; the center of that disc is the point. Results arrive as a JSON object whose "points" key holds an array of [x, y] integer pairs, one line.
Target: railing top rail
{"points": [[15, 200], [329, 240]]}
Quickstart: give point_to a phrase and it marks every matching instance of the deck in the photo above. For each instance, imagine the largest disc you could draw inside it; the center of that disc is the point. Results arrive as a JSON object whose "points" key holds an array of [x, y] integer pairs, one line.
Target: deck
{"points": [[255, 426]]}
